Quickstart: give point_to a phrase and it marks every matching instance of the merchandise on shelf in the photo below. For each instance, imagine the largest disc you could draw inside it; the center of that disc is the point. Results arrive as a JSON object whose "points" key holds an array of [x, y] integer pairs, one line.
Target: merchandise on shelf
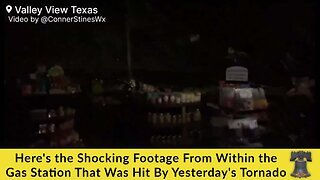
{"points": [[187, 137], [171, 120], [242, 98], [54, 119], [173, 97], [243, 123], [175, 139], [260, 98], [59, 83], [53, 82], [147, 88], [58, 124]]}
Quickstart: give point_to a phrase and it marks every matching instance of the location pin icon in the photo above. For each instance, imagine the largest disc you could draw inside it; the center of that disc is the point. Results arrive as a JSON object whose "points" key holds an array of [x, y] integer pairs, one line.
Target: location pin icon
{"points": [[9, 8]]}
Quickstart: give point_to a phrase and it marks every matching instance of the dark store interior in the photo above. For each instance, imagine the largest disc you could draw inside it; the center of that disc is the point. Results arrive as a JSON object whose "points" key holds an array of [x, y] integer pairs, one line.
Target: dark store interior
{"points": [[155, 75]]}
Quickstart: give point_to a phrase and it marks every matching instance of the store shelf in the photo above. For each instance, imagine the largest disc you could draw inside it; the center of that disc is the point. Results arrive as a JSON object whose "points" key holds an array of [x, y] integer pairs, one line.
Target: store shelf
{"points": [[232, 111], [170, 106], [51, 95], [51, 100], [55, 120]]}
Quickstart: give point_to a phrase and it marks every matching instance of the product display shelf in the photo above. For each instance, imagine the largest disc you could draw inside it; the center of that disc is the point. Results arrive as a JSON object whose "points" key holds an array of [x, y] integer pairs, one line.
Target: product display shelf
{"points": [[173, 124], [44, 127], [55, 120], [243, 136]]}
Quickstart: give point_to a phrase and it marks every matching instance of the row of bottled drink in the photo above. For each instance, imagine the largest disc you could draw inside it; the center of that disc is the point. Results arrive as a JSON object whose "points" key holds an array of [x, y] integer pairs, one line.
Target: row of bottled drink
{"points": [[158, 119]]}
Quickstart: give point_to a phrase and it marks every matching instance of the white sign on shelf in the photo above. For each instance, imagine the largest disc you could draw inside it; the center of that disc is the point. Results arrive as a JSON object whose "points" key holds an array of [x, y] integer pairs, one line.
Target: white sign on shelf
{"points": [[237, 73], [248, 123]]}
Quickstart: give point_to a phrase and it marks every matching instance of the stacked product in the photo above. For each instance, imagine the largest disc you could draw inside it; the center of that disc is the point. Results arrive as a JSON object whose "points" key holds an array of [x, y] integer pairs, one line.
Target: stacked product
{"points": [[59, 84], [56, 125], [184, 138], [173, 97], [52, 81], [54, 122], [242, 106], [242, 97], [174, 118]]}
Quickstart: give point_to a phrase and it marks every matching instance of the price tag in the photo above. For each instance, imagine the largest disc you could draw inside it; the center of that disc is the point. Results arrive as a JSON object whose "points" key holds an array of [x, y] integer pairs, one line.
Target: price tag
{"points": [[237, 73]]}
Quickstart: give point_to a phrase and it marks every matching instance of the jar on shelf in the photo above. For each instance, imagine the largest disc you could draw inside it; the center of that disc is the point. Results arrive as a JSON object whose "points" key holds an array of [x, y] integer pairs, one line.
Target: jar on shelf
{"points": [[52, 128], [154, 118], [178, 100], [172, 98], [180, 119], [43, 129], [174, 120], [183, 97], [52, 114], [167, 118], [165, 99], [197, 115], [198, 96], [161, 119]]}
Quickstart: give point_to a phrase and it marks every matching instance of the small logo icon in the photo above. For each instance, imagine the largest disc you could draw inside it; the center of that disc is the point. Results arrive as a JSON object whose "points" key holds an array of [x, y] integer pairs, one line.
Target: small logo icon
{"points": [[8, 8], [300, 167]]}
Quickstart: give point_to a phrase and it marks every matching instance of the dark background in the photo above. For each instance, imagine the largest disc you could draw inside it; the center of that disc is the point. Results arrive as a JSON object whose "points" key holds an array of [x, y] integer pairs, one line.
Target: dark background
{"points": [[161, 47], [160, 38]]}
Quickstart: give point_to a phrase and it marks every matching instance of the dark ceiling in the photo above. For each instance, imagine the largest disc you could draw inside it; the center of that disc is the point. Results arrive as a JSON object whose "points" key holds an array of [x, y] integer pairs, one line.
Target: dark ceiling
{"points": [[160, 37]]}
